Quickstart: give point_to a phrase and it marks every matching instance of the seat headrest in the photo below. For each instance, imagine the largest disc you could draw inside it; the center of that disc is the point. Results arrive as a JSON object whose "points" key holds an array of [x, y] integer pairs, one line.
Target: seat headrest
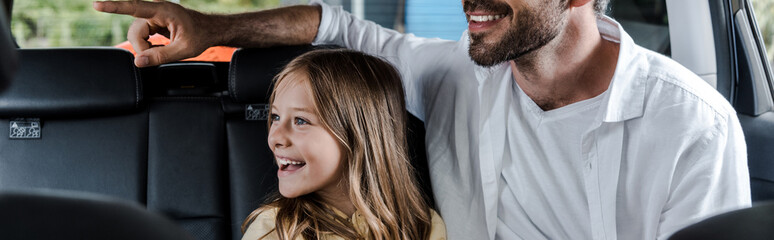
{"points": [[752, 223], [72, 82], [73, 215], [251, 70], [7, 51]]}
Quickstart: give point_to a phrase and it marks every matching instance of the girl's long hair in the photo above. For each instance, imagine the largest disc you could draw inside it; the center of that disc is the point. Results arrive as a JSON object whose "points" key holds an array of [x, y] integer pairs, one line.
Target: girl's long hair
{"points": [[361, 102]]}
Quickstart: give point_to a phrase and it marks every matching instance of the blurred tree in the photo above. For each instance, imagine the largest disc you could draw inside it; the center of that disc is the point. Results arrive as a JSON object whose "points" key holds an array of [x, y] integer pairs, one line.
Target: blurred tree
{"points": [[764, 12], [54, 23], [58, 23]]}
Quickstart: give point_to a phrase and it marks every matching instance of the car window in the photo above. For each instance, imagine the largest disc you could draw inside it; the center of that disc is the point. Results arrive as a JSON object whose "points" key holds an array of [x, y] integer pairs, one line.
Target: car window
{"points": [[55, 23], [58, 23], [763, 13], [645, 20], [426, 18], [436, 18]]}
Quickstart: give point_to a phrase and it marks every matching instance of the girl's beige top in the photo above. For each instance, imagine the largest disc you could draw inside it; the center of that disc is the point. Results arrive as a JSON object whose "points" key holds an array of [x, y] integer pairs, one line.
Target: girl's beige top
{"points": [[264, 223]]}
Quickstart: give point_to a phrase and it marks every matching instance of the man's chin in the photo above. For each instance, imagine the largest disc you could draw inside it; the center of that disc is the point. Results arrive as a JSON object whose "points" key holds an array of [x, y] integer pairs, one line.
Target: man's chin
{"points": [[487, 53], [484, 58]]}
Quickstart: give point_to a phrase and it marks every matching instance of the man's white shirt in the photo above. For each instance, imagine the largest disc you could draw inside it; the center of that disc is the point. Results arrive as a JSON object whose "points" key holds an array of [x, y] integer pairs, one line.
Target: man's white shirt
{"points": [[539, 144], [662, 151]]}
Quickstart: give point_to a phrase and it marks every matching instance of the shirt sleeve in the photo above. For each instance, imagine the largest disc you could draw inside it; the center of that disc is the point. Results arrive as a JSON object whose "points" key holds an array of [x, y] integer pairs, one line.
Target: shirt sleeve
{"points": [[714, 180], [414, 57]]}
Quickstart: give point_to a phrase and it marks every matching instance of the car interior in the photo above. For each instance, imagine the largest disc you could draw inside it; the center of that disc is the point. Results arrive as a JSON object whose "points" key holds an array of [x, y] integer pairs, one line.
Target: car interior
{"points": [[7, 49], [79, 215], [187, 140], [646, 21], [179, 151]]}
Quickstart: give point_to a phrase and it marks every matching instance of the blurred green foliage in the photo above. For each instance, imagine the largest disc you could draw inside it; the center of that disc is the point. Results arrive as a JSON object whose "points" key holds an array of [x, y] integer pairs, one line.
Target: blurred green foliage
{"points": [[55, 23], [764, 12]]}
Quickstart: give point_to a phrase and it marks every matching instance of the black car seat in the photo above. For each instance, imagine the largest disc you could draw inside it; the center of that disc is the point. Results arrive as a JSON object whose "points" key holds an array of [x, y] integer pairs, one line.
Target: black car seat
{"points": [[75, 122], [78, 121], [187, 171], [78, 216], [253, 174], [755, 223], [645, 21]]}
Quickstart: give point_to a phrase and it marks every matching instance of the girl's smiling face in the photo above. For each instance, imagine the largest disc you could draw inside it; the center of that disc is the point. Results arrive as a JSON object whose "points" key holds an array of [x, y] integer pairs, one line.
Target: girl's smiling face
{"points": [[309, 156]]}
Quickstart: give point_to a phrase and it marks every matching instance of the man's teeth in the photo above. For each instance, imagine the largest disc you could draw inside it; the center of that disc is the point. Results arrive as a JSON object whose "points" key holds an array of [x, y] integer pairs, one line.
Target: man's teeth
{"points": [[288, 162], [486, 18]]}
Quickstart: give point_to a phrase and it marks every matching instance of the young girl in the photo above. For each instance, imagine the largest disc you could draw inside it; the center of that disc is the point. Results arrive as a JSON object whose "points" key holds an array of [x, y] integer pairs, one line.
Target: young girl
{"points": [[338, 134]]}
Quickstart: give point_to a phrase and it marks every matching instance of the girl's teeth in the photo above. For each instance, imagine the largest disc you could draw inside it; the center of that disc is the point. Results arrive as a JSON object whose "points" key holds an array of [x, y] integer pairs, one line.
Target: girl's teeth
{"points": [[287, 162]]}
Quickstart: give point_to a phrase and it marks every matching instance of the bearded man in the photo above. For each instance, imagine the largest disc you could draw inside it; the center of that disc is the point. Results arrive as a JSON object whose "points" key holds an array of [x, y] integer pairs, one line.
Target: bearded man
{"points": [[544, 121]]}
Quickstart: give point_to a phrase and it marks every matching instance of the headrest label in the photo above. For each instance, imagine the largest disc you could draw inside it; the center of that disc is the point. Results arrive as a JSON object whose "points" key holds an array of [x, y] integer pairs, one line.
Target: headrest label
{"points": [[257, 112], [24, 128]]}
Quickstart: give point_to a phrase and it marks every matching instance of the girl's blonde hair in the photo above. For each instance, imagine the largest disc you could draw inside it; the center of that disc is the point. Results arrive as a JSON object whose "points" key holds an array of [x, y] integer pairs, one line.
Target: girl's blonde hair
{"points": [[361, 102]]}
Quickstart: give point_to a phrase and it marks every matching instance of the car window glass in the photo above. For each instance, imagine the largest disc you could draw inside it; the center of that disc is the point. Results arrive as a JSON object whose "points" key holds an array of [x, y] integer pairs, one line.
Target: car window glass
{"points": [[58, 23], [436, 18], [645, 20], [763, 13], [55, 23], [426, 18]]}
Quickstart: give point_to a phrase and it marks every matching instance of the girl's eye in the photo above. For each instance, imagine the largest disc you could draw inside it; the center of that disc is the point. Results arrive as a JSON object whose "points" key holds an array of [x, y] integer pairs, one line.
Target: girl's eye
{"points": [[301, 121], [274, 117]]}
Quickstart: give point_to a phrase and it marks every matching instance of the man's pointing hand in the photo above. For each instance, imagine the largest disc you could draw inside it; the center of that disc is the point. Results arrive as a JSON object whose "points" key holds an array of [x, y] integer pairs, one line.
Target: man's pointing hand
{"points": [[186, 29]]}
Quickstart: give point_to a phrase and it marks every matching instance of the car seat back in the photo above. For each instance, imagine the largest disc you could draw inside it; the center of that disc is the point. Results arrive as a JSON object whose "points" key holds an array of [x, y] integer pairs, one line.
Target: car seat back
{"points": [[187, 172], [75, 122], [78, 121], [70, 216]]}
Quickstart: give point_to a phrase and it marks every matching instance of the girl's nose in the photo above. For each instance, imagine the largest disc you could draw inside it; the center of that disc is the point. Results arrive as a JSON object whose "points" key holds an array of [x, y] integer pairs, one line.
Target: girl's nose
{"points": [[278, 136]]}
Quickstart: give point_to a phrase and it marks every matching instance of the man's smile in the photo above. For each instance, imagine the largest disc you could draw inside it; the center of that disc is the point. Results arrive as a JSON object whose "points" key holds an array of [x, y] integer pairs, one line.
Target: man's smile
{"points": [[483, 15], [480, 21]]}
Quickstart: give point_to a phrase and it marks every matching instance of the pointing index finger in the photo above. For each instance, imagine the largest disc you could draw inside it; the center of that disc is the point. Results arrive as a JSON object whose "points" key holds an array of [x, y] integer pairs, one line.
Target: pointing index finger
{"points": [[139, 9]]}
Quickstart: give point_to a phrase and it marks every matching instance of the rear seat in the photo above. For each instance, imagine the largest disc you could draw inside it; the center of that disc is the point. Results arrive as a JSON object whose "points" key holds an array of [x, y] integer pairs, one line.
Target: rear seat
{"points": [[83, 126], [186, 164], [182, 149], [86, 128], [252, 172], [187, 172]]}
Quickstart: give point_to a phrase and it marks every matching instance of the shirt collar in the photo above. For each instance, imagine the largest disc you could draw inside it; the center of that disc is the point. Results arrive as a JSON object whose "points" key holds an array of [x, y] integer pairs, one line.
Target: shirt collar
{"points": [[626, 99], [627, 87]]}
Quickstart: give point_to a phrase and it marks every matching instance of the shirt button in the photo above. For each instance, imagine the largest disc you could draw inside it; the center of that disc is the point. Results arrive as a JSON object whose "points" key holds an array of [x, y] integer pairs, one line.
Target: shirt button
{"points": [[588, 166]]}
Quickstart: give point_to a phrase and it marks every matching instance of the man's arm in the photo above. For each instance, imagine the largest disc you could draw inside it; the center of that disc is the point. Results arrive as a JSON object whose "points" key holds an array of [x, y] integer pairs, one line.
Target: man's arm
{"points": [[191, 32], [419, 60], [714, 182]]}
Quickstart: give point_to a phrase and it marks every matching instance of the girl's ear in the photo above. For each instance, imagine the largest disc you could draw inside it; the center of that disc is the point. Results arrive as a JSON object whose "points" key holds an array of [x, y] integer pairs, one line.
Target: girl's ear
{"points": [[579, 3]]}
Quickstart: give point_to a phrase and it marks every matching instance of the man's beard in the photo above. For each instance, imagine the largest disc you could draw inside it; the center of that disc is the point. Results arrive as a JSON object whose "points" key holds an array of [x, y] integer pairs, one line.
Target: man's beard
{"points": [[533, 30]]}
